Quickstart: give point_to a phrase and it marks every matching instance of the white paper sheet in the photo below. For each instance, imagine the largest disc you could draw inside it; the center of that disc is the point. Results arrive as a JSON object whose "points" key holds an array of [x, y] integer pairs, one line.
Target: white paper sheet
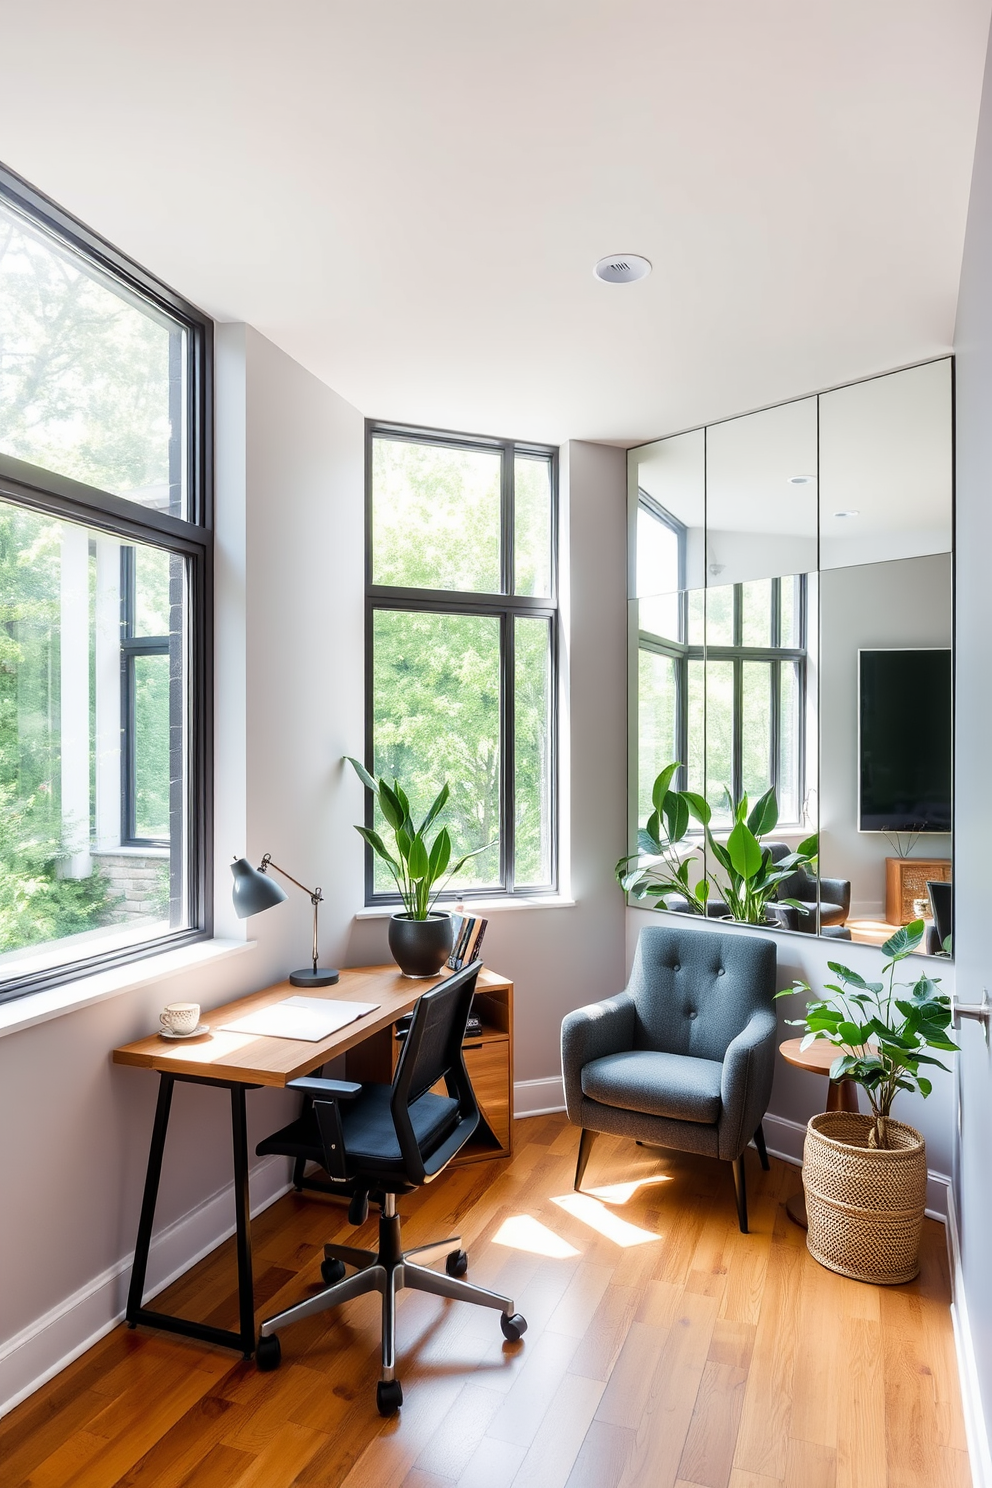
{"points": [[308, 1018]]}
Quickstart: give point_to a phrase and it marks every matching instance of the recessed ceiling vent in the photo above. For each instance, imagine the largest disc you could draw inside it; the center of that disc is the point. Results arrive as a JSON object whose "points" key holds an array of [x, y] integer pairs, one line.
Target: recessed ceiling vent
{"points": [[622, 268]]}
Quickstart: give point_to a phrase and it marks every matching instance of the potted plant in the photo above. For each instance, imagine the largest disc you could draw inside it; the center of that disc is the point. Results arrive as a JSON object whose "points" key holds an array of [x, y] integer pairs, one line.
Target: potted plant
{"points": [[753, 879], [419, 935], [865, 1175], [666, 877]]}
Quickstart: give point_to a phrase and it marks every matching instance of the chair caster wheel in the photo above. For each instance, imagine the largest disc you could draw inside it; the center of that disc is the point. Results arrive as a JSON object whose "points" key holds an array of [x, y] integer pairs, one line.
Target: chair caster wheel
{"points": [[514, 1327], [332, 1271], [268, 1353], [457, 1263], [388, 1397]]}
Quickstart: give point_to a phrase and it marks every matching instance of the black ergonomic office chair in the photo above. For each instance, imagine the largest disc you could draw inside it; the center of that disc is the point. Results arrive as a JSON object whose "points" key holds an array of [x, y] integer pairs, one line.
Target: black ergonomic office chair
{"points": [[377, 1141]]}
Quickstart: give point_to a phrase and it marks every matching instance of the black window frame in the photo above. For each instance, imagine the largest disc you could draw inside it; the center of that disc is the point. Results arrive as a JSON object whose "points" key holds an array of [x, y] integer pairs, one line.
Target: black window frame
{"points": [[506, 606], [189, 537], [737, 653]]}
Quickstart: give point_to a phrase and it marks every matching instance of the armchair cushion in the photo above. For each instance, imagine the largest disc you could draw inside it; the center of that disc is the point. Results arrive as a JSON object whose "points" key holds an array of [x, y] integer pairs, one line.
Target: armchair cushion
{"points": [[673, 1085]]}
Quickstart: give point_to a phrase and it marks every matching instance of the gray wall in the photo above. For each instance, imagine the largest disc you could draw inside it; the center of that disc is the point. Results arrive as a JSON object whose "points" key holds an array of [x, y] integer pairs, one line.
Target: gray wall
{"points": [[905, 603], [290, 624], [973, 820]]}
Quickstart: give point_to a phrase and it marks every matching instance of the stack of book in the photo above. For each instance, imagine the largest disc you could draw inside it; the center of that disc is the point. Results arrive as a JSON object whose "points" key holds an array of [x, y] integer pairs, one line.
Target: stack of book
{"points": [[467, 941]]}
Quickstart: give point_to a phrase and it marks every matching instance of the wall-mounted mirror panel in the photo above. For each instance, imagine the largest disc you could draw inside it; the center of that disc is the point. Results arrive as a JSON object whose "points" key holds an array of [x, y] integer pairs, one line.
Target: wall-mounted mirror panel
{"points": [[821, 688], [886, 468]]}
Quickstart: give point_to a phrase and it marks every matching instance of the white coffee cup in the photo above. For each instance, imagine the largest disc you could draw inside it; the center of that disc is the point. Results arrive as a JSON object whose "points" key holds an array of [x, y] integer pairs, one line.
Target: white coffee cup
{"points": [[181, 1017]]}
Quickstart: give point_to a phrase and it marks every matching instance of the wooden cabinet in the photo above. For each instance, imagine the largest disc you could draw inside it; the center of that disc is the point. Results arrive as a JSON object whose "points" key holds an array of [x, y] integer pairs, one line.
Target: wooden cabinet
{"points": [[906, 880]]}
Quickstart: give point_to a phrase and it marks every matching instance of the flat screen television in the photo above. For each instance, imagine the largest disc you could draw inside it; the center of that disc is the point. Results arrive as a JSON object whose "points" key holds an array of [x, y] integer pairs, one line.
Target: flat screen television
{"points": [[904, 741]]}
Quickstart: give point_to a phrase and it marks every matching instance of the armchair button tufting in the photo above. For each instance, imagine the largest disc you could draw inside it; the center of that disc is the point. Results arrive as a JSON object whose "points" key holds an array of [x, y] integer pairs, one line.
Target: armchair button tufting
{"points": [[721, 971], [692, 1013], [676, 967]]}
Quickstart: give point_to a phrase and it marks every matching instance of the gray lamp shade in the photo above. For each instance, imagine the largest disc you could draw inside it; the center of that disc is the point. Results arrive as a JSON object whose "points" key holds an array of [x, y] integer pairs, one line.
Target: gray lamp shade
{"points": [[253, 890]]}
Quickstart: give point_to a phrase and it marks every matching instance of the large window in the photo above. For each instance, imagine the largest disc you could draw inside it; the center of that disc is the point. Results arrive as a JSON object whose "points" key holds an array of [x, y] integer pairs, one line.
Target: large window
{"points": [[462, 646], [721, 680], [104, 603]]}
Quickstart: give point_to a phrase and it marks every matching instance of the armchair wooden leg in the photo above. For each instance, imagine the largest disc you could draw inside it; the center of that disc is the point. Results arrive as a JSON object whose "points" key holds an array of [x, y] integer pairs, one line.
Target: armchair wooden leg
{"points": [[741, 1189], [759, 1142], [585, 1147]]}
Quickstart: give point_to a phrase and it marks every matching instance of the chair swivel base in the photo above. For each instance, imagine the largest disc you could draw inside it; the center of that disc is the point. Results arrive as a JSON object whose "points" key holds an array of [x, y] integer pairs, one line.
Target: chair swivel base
{"points": [[387, 1271]]}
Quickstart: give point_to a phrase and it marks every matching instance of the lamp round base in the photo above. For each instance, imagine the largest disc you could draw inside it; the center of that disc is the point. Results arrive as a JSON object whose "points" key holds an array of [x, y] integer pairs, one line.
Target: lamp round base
{"points": [[311, 978]]}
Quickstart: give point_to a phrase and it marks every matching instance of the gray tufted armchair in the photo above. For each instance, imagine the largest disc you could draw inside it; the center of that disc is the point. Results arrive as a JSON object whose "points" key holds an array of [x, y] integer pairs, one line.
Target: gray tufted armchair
{"points": [[684, 1057]]}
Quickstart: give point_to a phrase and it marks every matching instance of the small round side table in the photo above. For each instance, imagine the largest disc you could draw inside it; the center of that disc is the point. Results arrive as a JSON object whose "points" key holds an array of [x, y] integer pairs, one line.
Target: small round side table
{"points": [[842, 1095]]}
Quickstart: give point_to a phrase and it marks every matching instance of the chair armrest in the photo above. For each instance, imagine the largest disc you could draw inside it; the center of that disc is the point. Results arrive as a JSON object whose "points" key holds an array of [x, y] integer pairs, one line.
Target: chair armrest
{"points": [[591, 1033], [326, 1089], [837, 891], [746, 1082]]}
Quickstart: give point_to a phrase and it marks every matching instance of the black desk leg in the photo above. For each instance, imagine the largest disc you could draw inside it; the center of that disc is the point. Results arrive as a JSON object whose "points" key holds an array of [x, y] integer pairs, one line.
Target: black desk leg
{"points": [[242, 1201], [154, 1173], [244, 1339]]}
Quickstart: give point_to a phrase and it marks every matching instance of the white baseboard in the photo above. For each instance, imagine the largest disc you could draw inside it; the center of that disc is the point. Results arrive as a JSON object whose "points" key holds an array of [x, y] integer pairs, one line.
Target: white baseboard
{"points": [[538, 1097], [979, 1450], [785, 1138], [30, 1358]]}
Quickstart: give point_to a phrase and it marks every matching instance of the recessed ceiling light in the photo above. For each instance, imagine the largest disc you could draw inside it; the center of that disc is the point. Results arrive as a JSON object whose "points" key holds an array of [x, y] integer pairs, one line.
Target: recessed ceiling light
{"points": [[847, 514], [622, 268], [801, 480]]}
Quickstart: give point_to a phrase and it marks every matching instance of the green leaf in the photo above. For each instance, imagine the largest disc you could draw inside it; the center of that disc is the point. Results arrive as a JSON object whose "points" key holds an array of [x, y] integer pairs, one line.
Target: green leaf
{"points": [[702, 890], [849, 1032], [376, 842], [924, 1086], [440, 856], [718, 851], [418, 861], [851, 978], [744, 852], [810, 846], [698, 806], [764, 816], [904, 942], [392, 808], [660, 788], [362, 774], [440, 801], [676, 816], [648, 844], [654, 826]]}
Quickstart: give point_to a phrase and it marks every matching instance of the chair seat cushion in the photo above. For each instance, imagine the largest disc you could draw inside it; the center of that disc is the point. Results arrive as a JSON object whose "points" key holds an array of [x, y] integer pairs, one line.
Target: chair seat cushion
{"points": [[678, 1086], [369, 1134]]}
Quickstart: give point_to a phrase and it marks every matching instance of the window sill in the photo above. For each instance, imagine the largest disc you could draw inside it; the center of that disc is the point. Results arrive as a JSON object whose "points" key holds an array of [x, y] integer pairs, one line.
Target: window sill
{"points": [[40, 1007], [479, 906]]}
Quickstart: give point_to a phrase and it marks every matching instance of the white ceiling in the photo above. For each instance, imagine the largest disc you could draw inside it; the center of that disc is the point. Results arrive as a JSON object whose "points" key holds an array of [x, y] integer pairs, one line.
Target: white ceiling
{"points": [[408, 196]]}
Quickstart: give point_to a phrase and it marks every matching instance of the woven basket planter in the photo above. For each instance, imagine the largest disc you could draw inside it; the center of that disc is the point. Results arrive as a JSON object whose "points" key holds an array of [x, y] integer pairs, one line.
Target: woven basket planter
{"points": [[865, 1205]]}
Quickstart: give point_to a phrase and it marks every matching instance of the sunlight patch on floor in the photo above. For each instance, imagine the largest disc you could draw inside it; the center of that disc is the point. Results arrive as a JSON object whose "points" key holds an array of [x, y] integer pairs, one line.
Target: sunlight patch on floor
{"points": [[622, 1193], [523, 1232], [591, 1212]]}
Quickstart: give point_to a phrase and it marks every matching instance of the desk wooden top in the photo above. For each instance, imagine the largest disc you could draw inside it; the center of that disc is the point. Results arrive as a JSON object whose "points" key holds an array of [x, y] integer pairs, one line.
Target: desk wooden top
{"points": [[275, 1061], [817, 1058]]}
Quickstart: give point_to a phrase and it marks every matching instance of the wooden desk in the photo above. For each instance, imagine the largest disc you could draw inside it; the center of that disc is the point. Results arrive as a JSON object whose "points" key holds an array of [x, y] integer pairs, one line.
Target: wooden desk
{"points": [[239, 1062], [842, 1095]]}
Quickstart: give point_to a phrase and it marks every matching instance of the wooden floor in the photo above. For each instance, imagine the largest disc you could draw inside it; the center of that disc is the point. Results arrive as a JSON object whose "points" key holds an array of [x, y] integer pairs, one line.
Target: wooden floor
{"points": [[664, 1349]]}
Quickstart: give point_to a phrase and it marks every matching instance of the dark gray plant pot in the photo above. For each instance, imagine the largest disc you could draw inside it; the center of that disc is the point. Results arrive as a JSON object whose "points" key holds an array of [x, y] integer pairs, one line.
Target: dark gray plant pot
{"points": [[420, 947]]}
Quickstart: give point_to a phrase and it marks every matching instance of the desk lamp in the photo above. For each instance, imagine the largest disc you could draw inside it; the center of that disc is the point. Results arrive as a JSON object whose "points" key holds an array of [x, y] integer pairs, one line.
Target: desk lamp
{"points": [[254, 891]]}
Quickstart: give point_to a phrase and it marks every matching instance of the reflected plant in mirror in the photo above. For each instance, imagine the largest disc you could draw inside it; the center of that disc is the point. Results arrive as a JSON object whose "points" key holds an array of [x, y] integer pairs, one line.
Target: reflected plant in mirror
{"points": [[757, 876], [665, 877]]}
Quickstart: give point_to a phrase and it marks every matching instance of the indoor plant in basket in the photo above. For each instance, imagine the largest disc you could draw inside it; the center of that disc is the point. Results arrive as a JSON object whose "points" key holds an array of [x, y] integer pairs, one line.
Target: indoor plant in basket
{"points": [[419, 934], [865, 1175]]}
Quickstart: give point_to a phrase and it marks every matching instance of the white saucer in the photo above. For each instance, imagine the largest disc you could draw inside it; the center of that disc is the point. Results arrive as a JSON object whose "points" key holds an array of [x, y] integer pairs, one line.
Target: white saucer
{"points": [[196, 1033]]}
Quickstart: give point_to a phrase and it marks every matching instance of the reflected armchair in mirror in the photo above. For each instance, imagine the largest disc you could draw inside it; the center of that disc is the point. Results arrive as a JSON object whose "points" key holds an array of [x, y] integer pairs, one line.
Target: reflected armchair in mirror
{"points": [[829, 899]]}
